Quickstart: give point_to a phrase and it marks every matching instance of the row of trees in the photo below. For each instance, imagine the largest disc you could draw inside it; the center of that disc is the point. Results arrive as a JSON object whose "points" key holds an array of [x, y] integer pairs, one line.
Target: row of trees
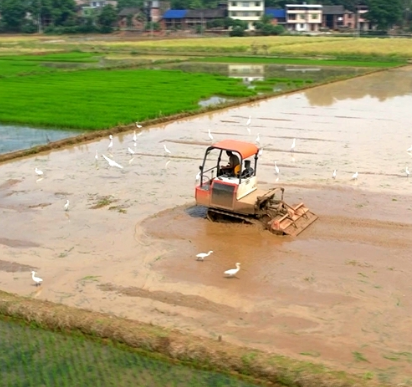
{"points": [[62, 13]]}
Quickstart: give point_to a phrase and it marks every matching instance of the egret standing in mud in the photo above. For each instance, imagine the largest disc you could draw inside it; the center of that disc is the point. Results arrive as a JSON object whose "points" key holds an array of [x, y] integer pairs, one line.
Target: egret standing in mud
{"points": [[66, 206], [210, 135], [355, 176], [292, 148], [409, 149], [258, 139], [131, 151], [37, 280], [202, 256], [232, 272], [407, 171], [96, 156], [166, 150], [334, 174], [110, 146], [38, 172], [138, 125], [276, 169], [134, 137]]}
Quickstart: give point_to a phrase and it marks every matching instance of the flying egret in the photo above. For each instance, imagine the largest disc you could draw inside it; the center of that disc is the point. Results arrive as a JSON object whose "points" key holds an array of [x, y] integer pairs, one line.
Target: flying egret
{"points": [[66, 206], [38, 172], [110, 146], [202, 256], [166, 150], [249, 121], [276, 169], [232, 272], [112, 163], [334, 174], [37, 280], [258, 138], [131, 151], [292, 148], [134, 137], [407, 171], [210, 135], [355, 176], [409, 149], [138, 126]]}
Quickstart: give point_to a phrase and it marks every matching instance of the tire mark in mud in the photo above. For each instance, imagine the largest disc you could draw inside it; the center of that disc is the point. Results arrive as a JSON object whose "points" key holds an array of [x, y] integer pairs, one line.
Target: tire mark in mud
{"points": [[175, 298], [14, 267]]}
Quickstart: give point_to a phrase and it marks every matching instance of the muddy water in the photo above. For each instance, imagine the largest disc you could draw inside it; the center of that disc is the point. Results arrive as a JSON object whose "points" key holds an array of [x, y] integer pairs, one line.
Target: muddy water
{"points": [[128, 242]]}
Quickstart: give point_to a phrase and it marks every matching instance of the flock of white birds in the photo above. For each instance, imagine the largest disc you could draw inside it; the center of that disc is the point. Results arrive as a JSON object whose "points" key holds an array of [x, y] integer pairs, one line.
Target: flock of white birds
{"points": [[200, 256]]}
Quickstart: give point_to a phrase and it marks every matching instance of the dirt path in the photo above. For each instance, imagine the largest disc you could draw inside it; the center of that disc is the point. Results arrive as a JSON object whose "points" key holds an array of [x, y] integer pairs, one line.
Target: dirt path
{"points": [[339, 293]]}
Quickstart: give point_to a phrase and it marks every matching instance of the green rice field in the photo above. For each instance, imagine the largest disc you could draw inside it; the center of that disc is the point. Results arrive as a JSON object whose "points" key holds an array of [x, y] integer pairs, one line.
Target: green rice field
{"points": [[35, 357], [100, 99]]}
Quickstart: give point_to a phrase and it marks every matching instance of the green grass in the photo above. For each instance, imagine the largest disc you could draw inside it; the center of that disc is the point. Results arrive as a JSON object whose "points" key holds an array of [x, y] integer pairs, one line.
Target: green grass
{"points": [[297, 61], [35, 357], [33, 64], [99, 99]]}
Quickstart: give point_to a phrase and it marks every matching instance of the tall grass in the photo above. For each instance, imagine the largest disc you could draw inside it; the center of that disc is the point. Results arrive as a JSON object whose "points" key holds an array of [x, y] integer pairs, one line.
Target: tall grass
{"points": [[102, 99]]}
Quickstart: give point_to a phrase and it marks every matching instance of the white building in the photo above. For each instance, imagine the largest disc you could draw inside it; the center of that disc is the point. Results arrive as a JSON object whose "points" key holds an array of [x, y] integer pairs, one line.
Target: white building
{"points": [[303, 17], [248, 11]]}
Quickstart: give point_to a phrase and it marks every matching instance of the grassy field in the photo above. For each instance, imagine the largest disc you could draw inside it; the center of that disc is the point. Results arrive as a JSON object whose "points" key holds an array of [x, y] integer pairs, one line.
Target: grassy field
{"points": [[35, 357], [99, 99]]}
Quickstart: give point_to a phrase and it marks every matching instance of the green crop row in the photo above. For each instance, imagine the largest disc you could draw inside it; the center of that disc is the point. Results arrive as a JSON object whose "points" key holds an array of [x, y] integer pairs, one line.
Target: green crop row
{"points": [[35, 357], [99, 99]]}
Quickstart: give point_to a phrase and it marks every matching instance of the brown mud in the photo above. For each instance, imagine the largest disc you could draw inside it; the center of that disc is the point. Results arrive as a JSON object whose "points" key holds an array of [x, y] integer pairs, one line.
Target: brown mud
{"points": [[338, 294]]}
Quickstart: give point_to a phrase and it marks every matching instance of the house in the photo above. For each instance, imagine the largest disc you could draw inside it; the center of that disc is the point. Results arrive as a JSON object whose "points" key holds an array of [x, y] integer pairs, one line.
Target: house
{"points": [[154, 9], [91, 8], [248, 11], [303, 17], [333, 17], [131, 18], [191, 18], [278, 15]]}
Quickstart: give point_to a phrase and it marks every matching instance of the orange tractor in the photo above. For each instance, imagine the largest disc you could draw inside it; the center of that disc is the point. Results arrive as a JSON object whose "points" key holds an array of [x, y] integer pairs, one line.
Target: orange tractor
{"points": [[231, 192]]}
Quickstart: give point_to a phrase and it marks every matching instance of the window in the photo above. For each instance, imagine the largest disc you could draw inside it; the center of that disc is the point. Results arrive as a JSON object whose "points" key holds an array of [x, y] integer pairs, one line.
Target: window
{"points": [[257, 4], [245, 4], [233, 13], [258, 13], [292, 17], [234, 4], [246, 13], [350, 15], [302, 16], [314, 16], [301, 26]]}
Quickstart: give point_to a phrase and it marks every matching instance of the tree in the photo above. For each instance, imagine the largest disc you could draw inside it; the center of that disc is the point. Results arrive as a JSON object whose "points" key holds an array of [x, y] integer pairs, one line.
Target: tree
{"points": [[121, 4], [107, 17], [13, 13], [384, 13]]}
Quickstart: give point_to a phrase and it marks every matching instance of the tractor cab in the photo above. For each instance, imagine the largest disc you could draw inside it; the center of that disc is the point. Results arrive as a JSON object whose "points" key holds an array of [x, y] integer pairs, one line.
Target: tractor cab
{"points": [[220, 185]]}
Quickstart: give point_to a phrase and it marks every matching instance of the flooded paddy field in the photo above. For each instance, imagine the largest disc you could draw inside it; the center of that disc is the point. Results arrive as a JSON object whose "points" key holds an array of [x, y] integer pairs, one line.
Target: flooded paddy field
{"points": [[339, 293]]}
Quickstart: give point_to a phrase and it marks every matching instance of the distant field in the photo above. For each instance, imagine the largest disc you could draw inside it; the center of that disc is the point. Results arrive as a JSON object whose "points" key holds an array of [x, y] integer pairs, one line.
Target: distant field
{"points": [[371, 48]]}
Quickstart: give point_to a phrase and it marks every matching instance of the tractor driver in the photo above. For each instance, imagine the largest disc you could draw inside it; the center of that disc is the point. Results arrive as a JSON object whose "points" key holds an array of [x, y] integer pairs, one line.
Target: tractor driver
{"points": [[233, 166]]}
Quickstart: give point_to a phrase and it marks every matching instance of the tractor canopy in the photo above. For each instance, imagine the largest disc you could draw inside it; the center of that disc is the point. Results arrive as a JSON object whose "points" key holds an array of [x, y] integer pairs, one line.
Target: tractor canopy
{"points": [[245, 149]]}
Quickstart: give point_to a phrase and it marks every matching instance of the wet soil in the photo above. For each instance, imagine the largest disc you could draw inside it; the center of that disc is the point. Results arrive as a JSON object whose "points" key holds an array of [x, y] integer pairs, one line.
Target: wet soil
{"points": [[339, 293]]}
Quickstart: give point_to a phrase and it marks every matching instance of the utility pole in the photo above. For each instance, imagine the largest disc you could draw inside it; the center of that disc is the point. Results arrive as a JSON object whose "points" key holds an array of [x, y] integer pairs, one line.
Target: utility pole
{"points": [[39, 17]]}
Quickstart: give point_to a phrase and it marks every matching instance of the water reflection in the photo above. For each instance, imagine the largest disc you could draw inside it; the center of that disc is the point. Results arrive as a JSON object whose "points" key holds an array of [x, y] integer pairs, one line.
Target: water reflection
{"points": [[13, 138], [248, 73]]}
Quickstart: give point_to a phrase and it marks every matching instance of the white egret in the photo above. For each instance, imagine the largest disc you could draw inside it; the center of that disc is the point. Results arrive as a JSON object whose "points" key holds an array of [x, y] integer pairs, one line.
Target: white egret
{"points": [[260, 153], [112, 163], [355, 176], [210, 135], [66, 206], [134, 137], [409, 149], [138, 126], [232, 272], [276, 169], [248, 129], [96, 156], [249, 121], [38, 172], [167, 163], [407, 171], [166, 150], [258, 138], [110, 146], [292, 148], [202, 256], [198, 176], [37, 280], [334, 174], [131, 151]]}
